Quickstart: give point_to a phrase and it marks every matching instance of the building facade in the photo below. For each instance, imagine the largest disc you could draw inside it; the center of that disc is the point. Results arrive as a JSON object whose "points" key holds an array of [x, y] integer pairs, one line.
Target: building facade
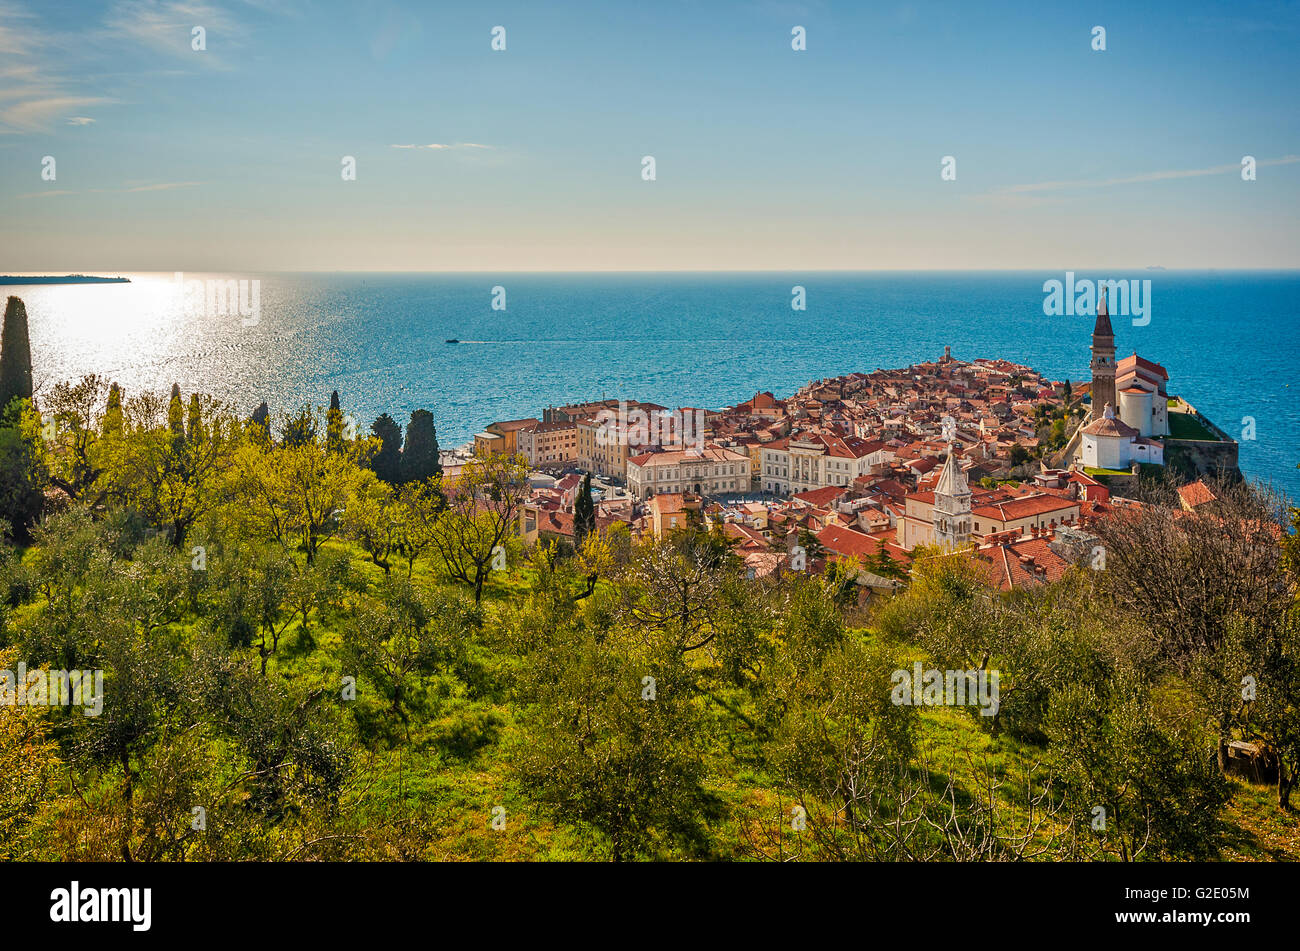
{"points": [[1143, 395], [549, 444], [990, 512], [711, 471], [501, 437], [814, 461], [1110, 443]]}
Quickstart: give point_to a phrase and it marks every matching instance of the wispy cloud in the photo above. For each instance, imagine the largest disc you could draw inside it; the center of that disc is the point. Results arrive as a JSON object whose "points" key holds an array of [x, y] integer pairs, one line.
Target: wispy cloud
{"points": [[36, 89], [438, 146], [1161, 176], [33, 92], [36, 113], [153, 187], [166, 25], [14, 26]]}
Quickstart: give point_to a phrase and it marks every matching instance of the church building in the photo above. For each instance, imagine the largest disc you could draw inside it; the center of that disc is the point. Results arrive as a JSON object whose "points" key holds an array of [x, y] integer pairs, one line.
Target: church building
{"points": [[1134, 386], [952, 512], [1110, 443]]}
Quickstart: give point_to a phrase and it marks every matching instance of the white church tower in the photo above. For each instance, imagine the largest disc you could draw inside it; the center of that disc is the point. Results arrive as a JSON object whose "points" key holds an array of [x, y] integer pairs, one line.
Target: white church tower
{"points": [[951, 506]]}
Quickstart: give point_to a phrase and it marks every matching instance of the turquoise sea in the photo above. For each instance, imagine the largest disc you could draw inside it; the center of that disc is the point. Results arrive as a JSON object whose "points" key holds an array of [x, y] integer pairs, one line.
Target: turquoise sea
{"points": [[1230, 340]]}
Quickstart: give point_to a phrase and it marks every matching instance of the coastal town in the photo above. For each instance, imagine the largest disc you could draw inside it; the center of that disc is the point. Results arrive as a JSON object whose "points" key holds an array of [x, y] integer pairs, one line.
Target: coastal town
{"points": [[767, 435], [984, 453]]}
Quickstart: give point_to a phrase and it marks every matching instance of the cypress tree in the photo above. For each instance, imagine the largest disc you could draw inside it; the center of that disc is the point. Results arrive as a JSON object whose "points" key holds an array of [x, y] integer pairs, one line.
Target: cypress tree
{"points": [[176, 412], [113, 411], [176, 419], [584, 512], [22, 478], [434, 452], [334, 425], [420, 456], [259, 425], [387, 463], [15, 354], [194, 430]]}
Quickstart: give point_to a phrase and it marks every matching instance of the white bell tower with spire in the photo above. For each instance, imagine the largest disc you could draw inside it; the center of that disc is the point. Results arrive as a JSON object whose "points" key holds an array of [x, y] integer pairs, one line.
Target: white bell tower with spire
{"points": [[952, 516]]}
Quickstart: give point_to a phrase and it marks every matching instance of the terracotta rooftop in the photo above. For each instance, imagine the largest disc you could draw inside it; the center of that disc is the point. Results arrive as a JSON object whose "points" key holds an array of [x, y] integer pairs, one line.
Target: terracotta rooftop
{"points": [[1198, 493], [1025, 507], [1109, 425], [1134, 362]]}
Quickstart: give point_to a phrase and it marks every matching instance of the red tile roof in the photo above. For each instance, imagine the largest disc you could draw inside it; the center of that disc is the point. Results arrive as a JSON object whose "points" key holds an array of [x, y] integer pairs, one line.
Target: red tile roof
{"points": [[1109, 426], [1134, 362], [820, 497], [678, 456], [1198, 493], [1023, 507], [848, 543], [1014, 564]]}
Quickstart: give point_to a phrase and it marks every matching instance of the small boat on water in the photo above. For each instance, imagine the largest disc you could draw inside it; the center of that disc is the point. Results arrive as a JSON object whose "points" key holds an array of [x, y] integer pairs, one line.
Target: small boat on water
{"points": [[452, 340]]}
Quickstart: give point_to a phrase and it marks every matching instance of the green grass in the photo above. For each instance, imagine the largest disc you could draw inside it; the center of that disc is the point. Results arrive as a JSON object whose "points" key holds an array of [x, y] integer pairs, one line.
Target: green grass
{"points": [[459, 765], [1257, 831], [1186, 426], [431, 796]]}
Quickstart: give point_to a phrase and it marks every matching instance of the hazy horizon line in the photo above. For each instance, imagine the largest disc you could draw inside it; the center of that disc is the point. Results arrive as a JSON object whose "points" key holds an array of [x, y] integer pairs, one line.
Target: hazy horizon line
{"points": [[105, 272]]}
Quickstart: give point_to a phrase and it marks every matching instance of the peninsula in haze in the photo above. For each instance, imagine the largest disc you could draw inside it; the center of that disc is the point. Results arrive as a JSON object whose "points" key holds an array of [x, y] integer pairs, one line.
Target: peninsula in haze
{"points": [[63, 279]]}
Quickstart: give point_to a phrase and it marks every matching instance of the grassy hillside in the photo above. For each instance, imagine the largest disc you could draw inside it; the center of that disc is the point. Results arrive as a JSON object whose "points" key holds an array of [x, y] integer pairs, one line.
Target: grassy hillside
{"points": [[302, 660]]}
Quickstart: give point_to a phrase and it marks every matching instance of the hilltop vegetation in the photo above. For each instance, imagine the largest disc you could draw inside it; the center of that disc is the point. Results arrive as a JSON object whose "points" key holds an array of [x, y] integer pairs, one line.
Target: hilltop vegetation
{"points": [[313, 648]]}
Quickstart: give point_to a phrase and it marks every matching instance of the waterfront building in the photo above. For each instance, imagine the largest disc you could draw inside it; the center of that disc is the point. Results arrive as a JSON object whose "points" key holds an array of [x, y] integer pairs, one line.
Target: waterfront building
{"points": [[710, 471]]}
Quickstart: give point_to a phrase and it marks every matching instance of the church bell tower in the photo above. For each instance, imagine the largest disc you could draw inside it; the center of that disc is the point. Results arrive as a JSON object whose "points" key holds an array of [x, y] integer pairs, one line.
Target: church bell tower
{"points": [[1103, 360], [952, 514]]}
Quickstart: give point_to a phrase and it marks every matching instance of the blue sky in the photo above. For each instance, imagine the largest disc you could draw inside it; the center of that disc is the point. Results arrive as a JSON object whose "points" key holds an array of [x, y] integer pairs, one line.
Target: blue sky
{"points": [[229, 158]]}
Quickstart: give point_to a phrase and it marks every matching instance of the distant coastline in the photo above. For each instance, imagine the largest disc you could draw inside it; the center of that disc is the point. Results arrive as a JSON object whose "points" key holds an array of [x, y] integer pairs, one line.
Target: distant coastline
{"points": [[6, 279], [707, 339]]}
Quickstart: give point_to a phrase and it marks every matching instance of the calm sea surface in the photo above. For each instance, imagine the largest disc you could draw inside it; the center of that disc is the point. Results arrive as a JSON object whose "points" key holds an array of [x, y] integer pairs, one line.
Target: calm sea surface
{"points": [[1230, 340]]}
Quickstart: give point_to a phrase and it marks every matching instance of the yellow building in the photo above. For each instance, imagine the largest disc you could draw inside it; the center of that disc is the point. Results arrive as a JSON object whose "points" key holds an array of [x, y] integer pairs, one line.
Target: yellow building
{"points": [[672, 511], [501, 437], [550, 444], [488, 444], [619, 429]]}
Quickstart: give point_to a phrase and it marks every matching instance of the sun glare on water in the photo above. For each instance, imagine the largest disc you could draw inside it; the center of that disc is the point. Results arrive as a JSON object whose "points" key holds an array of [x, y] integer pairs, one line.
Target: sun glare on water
{"points": [[131, 333]]}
